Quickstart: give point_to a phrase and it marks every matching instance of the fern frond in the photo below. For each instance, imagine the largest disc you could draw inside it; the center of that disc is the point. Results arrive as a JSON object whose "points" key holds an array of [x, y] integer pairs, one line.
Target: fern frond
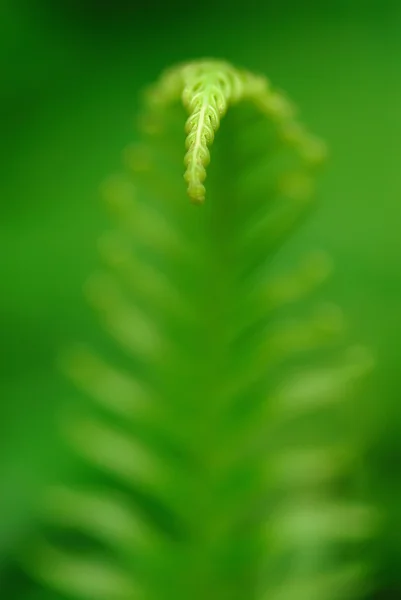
{"points": [[222, 450]]}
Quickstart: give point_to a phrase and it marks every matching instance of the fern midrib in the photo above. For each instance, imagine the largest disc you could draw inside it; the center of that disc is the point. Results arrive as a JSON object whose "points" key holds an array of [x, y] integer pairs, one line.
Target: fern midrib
{"points": [[206, 511], [220, 271]]}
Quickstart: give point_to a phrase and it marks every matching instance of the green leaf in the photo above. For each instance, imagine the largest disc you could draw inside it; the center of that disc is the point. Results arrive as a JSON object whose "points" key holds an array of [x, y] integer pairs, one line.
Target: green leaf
{"points": [[207, 417]]}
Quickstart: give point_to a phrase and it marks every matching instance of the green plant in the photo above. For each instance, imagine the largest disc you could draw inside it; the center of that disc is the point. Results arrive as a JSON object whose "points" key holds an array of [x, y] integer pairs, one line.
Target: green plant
{"points": [[227, 457]]}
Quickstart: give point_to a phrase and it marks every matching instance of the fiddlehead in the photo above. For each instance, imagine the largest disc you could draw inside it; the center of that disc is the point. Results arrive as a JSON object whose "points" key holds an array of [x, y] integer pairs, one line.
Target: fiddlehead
{"points": [[207, 89]]}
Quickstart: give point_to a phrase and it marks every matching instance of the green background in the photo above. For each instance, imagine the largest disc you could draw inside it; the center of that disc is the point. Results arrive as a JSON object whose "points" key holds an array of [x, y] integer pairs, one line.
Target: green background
{"points": [[70, 76]]}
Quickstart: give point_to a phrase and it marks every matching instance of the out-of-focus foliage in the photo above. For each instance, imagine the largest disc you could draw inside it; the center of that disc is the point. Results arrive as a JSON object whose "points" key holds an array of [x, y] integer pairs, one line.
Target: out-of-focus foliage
{"points": [[229, 455], [69, 82]]}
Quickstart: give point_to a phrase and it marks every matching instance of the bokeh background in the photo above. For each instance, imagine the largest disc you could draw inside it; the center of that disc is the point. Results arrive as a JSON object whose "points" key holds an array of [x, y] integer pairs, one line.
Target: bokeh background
{"points": [[70, 74]]}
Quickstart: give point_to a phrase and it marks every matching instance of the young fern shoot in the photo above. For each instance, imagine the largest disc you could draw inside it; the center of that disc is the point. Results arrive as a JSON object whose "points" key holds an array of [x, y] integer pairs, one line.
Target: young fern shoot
{"points": [[215, 452]]}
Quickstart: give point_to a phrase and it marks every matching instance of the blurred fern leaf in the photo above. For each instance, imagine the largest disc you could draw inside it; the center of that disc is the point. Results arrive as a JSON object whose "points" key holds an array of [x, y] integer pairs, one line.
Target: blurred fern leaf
{"points": [[223, 449]]}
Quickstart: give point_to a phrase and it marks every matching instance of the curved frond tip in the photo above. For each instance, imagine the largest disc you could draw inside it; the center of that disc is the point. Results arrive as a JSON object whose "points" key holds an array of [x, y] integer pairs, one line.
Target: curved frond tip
{"points": [[207, 88]]}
